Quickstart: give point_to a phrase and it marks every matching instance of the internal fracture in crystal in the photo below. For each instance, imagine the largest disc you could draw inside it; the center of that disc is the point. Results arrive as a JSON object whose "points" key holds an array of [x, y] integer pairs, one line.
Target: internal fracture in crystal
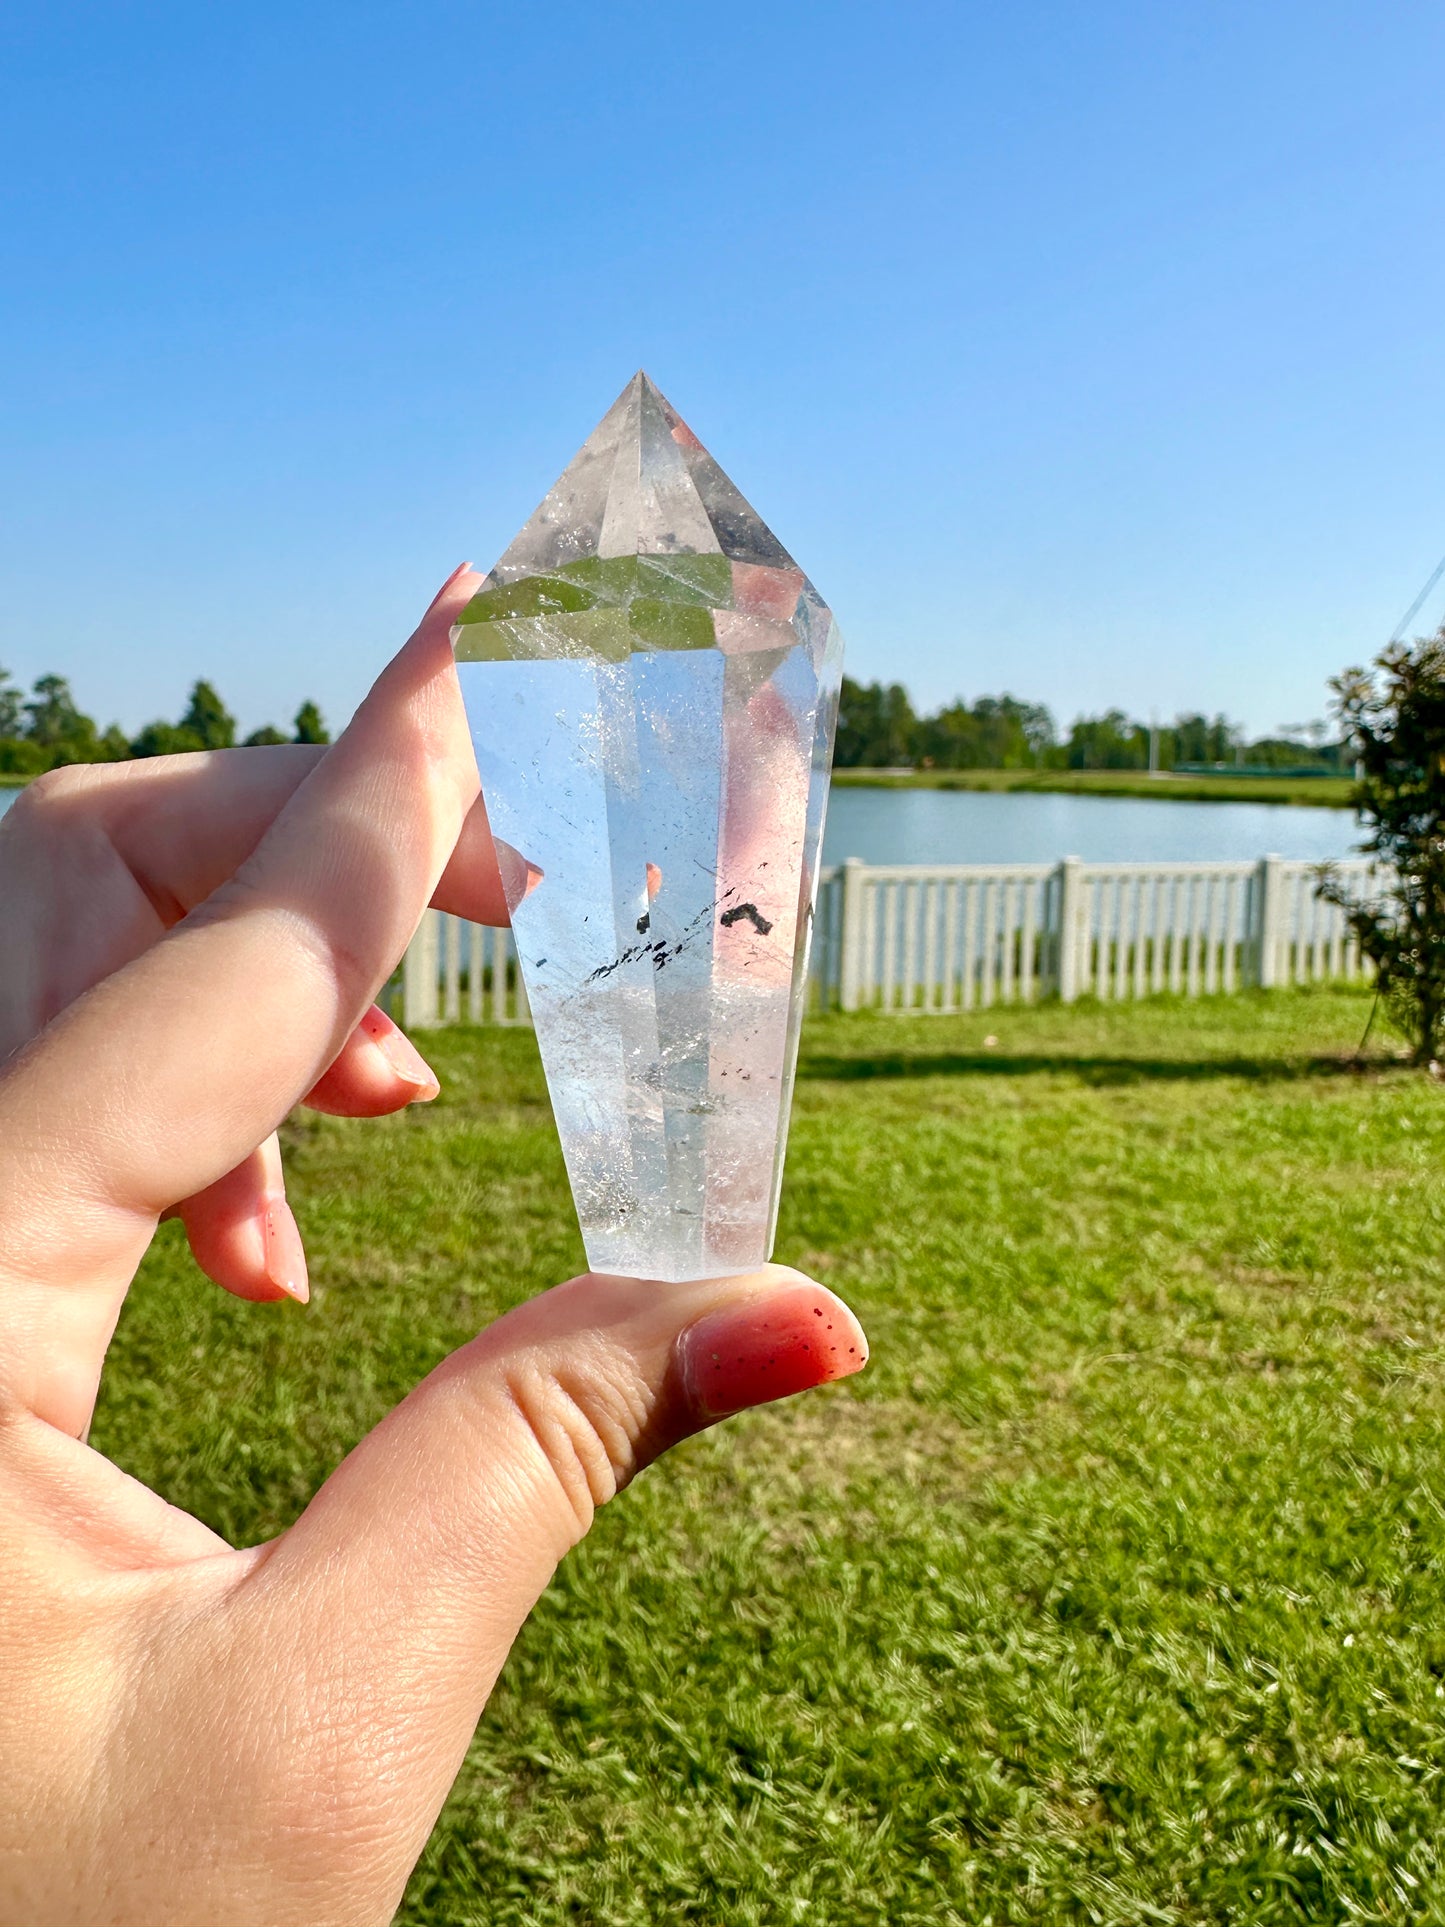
{"points": [[651, 684]]}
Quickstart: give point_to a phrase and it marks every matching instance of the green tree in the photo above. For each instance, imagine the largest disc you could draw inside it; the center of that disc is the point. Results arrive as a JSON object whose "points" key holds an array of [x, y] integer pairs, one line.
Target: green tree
{"points": [[1037, 725], [208, 718], [207, 724], [1198, 739], [1394, 720], [1110, 741], [877, 728], [166, 739], [20, 757], [309, 726], [997, 732], [1288, 752], [54, 722], [11, 705], [266, 735]]}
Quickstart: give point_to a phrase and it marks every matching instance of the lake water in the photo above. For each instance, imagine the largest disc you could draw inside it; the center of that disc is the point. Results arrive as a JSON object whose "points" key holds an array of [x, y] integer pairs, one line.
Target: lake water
{"points": [[974, 826]]}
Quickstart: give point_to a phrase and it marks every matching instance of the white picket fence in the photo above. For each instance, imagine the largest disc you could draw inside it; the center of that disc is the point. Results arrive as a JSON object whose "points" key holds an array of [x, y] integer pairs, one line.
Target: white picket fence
{"points": [[965, 937], [915, 938], [456, 972]]}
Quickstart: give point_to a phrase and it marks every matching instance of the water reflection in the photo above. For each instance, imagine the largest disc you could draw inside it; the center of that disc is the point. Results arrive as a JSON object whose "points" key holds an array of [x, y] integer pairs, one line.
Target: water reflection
{"points": [[974, 826], [968, 826]]}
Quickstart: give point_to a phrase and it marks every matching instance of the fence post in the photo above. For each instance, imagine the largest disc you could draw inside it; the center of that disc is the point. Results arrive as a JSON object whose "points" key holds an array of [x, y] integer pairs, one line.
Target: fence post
{"points": [[1071, 910], [850, 935], [419, 976], [524, 1008], [822, 940], [1269, 912]]}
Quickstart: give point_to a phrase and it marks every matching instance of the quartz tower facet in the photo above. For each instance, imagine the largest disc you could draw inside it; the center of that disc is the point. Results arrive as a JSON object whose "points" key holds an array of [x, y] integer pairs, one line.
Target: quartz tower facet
{"points": [[651, 684]]}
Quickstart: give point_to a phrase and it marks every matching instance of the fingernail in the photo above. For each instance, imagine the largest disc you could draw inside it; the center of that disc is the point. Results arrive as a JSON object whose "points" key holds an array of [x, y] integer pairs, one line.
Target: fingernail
{"points": [[456, 575], [786, 1343], [402, 1056], [519, 877], [285, 1254]]}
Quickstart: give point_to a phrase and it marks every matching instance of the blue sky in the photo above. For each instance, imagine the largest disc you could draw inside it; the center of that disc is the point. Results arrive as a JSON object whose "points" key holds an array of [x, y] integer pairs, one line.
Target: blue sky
{"points": [[1088, 351]]}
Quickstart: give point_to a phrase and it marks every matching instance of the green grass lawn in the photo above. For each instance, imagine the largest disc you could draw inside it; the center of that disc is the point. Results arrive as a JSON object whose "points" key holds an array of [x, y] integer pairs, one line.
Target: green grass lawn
{"points": [[1331, 792], [1113, 1592]]}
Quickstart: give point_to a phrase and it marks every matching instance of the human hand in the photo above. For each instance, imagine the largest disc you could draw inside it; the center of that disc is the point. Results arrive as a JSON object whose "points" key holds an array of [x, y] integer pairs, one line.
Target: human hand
{"points": [[189, 1733]]}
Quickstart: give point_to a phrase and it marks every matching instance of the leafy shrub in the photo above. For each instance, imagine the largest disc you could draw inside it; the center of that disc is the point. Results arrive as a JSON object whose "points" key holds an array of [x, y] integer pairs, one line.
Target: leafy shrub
{"points": [[1394, 718]]}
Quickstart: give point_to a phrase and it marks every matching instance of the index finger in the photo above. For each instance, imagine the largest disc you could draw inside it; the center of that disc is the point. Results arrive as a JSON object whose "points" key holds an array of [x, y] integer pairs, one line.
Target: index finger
{"points": [[108, 856], [162, 1077], [184, 824]]}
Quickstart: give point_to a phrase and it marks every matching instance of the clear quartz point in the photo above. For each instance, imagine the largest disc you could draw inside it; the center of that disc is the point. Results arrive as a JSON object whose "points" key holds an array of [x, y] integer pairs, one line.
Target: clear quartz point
{"points": [[651, 684]]}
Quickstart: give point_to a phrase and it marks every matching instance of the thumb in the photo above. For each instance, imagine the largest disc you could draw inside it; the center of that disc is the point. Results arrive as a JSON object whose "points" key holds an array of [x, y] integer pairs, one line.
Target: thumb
{"points": [[422, 1555]]}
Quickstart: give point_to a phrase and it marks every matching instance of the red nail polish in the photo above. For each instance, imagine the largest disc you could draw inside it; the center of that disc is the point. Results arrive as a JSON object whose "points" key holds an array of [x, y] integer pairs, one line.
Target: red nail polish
{"points": [[785, 1343]]}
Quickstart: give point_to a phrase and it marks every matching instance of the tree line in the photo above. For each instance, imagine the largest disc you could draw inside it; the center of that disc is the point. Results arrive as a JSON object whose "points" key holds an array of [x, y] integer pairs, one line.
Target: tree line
{"points": [[878, 728], [47, 728]]}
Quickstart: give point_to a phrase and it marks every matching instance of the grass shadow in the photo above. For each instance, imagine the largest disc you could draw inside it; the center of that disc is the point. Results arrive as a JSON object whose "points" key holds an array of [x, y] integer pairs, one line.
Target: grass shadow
{"points": [[815, 1067]]}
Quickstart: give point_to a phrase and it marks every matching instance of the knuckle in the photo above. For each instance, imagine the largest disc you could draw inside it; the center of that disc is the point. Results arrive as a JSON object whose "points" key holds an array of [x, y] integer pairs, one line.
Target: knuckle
{"points": [[584, 1423], [337, 961], [323, 949], [48, 799], [57, 783]]}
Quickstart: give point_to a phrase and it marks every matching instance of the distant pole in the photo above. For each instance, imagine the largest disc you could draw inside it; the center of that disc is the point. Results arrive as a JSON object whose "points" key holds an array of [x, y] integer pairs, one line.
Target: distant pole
{"points": [[1153, 745], [1418, 604]]}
